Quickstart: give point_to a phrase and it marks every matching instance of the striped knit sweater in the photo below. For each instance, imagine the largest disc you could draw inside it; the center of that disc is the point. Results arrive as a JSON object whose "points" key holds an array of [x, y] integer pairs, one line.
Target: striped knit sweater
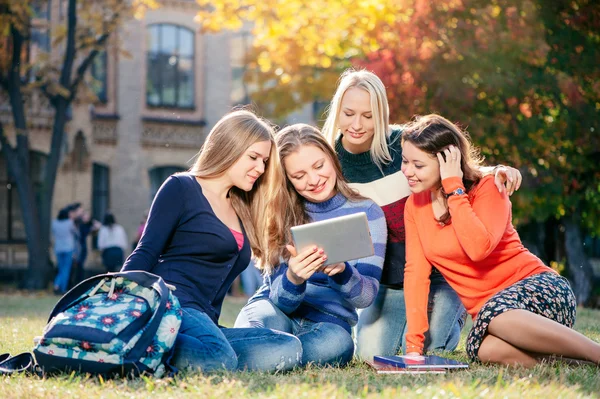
{"points": [[389, 189], [332, 299]]}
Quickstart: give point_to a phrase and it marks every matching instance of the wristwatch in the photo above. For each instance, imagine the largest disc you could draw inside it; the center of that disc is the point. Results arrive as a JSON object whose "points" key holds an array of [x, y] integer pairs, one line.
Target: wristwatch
{"points": [[458, 191]]}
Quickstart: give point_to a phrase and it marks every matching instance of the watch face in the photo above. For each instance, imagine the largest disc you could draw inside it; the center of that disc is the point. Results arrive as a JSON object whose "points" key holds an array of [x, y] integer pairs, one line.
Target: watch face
{"points": [[459, 191]]}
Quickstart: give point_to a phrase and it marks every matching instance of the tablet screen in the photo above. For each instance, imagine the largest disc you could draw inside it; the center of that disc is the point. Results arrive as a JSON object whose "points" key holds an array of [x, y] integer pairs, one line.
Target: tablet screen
{"points": [[342, 238]]}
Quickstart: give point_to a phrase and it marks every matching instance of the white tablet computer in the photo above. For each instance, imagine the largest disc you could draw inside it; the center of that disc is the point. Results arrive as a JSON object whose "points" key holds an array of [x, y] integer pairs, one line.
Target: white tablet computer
{"points": [[342, 238]]}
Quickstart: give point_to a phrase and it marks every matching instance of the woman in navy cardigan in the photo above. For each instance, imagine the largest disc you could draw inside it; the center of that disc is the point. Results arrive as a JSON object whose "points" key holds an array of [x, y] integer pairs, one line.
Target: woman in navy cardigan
{"points": [[201, 229]]}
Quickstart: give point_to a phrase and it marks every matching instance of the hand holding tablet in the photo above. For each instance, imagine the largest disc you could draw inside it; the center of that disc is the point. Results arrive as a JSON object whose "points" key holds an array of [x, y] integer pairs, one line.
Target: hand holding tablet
{"points": [[304, 264], [342, 239]]}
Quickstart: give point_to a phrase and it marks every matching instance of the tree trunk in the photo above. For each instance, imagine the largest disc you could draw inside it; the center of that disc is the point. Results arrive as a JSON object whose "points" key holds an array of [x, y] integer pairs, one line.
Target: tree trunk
{"points": [[37, 220], [39, 268], [533, 237], [578, 264], [40, 271]]}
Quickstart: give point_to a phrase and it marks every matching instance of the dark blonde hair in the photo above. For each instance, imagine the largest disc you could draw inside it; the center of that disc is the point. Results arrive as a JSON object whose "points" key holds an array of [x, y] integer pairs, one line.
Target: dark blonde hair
{"points": [[225, 144], [285, 207], [432, 134]]}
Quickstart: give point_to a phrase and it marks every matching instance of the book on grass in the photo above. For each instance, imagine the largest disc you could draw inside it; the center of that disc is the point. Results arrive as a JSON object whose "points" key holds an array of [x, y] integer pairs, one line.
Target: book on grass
{"points": [[421, 362], [384, 368]]}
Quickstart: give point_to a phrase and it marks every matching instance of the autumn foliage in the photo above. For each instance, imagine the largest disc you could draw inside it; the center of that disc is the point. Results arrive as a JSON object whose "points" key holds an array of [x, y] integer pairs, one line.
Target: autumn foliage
{"points": [[522, 76]]}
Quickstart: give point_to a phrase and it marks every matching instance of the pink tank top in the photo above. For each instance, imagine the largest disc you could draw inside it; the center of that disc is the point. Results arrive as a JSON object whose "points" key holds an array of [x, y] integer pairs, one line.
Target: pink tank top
{"points": [[239, 238]]}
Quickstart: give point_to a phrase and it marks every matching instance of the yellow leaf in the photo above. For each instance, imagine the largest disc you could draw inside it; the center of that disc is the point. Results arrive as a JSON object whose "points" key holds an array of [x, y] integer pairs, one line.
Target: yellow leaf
{"points": [[496, 10]]}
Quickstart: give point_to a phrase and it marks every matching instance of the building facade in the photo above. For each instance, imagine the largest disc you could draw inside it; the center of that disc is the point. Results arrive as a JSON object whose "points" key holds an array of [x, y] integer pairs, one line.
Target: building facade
{"points": [[161, 85]]}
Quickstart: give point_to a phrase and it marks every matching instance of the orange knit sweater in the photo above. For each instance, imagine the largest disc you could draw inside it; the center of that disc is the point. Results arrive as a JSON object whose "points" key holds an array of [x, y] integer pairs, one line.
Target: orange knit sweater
{"points": [[479, 252]]}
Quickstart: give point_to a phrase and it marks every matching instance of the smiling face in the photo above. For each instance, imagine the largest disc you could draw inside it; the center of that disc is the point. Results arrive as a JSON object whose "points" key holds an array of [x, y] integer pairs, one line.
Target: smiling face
{"points": [[311, 172], [421, 169], [356, 120], [250, 166]]}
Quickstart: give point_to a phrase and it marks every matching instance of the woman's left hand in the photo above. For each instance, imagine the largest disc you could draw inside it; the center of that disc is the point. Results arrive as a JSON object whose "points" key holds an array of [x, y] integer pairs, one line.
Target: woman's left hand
{"points": [[450, 167], [333, 269], [509, 176]]}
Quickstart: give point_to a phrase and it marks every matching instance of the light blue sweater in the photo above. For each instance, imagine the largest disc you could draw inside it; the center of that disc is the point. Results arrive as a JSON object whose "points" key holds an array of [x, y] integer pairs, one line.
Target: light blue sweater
{"points": [[63, 232], [332, 299]]}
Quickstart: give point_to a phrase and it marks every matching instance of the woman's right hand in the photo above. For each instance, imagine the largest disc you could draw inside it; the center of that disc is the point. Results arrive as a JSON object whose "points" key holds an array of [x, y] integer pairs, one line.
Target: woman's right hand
{"points": [[304, 264]]}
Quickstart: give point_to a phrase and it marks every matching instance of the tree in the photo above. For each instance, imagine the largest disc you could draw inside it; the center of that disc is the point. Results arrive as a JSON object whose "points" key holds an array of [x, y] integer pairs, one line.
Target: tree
{"points": [[504, 72], [302, 46], [58, 77], [521, 75]]}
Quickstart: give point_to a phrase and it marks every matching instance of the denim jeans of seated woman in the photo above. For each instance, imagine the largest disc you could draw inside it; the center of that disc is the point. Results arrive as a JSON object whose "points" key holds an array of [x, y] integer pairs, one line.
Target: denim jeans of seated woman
{"points": [[322, 343], [201, 345], [381, 327]]}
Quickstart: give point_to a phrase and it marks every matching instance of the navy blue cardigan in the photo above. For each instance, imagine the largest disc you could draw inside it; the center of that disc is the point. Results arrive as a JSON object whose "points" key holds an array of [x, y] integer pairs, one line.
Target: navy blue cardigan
{"points": [[189, 247]]}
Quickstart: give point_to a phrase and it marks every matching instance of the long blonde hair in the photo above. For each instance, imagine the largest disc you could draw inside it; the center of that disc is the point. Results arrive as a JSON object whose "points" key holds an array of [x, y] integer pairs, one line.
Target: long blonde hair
{"points": [[432, 134], [368, 81], [286, 208], [225, 144]]}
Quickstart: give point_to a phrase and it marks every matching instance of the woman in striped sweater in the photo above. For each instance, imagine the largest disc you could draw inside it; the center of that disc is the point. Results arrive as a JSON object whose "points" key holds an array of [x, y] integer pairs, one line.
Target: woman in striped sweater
{"points": [[369, 151], [315, 303]]}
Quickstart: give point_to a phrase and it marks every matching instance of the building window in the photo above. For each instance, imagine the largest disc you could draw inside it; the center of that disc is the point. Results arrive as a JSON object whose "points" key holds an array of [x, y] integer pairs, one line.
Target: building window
{"points": [[240, 45], [158, 175], [12, 228], [99, 71], [36, 42], [170, 67], [39, 35], [100, 191], [41, 9]]}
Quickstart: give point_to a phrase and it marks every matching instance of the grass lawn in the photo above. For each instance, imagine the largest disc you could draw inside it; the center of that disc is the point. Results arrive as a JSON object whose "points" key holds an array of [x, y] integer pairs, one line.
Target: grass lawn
{"points": [[22, 316]]}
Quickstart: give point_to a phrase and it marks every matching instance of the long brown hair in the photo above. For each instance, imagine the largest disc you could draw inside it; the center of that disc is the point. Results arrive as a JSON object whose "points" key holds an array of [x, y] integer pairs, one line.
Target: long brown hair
{"points": [[432, 134], [225, 144], [285, 206]]}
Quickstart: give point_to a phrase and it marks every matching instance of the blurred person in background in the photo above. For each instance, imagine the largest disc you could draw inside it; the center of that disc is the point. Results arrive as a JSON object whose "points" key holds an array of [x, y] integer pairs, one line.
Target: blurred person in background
{"points": [[112, 241], [63, 235]]}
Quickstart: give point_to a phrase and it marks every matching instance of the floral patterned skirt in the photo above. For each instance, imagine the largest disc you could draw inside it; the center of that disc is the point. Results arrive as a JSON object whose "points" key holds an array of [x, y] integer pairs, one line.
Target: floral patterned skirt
{"points": [[546, 294]]}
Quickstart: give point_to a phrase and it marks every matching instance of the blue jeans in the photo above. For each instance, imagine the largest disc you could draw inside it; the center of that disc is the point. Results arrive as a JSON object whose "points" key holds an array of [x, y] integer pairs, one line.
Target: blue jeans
{"points": [[64, 262], [381, 327], [322, 343], [202, 345]]}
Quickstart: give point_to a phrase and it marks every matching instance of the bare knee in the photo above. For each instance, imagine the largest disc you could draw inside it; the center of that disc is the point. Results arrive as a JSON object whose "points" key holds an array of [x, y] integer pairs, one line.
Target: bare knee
{"points": [[496, 351]]}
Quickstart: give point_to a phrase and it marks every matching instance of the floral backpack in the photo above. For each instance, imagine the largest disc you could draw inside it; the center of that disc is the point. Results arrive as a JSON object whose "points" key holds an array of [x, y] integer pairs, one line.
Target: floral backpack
{"points": [[112, 324]]}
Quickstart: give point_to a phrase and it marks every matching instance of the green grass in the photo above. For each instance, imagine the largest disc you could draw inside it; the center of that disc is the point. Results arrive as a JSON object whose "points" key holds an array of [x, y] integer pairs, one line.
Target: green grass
{"points": [[23, 316]]}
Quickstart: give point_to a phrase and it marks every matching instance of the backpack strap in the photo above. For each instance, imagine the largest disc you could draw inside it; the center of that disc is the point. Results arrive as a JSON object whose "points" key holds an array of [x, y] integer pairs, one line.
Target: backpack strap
{"points": [[75, 294], [148, 335], [23, 362], [142, 278]]}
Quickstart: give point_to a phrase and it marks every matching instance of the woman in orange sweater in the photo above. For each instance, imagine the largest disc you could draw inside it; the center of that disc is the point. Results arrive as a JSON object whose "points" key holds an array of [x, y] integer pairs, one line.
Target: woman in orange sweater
{"points": [[457, 221]]}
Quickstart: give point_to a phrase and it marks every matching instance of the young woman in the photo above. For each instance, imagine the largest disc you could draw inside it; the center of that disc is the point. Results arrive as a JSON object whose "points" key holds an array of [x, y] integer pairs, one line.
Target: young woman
{"points": [[195, 239], [315, 303], [112, 241], [457, 221], [369, 151]]}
